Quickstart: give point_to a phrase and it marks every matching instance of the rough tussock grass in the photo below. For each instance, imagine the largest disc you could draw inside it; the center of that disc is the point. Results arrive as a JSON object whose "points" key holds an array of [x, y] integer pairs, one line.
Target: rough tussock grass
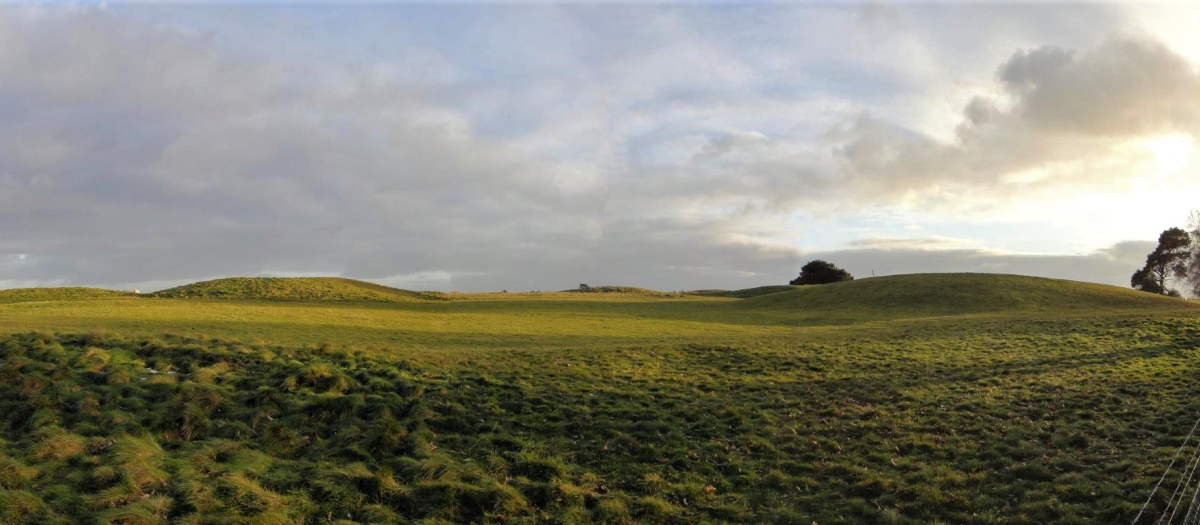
{"points": [[1025, 415], [973, 423]]}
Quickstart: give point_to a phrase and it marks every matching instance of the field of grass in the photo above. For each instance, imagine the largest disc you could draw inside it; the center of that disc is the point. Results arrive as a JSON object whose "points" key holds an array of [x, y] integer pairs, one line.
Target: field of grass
{"points": [[909, 399]]}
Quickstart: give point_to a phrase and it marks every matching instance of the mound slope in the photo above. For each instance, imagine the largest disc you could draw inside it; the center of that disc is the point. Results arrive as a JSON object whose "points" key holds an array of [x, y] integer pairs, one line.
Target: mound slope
{"points": [[21, 295], [746, 292], [294, 289], [631, 290], [960, 293]]}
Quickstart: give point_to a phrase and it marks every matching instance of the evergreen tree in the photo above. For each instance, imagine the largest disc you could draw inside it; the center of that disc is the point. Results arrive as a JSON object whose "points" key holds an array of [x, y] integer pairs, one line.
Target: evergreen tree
{"points": [[1172, 259]]}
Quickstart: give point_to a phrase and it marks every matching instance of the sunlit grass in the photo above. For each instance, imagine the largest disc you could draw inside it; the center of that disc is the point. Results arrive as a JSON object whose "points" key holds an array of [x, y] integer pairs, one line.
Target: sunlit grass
{"points": [[1042, 402]]}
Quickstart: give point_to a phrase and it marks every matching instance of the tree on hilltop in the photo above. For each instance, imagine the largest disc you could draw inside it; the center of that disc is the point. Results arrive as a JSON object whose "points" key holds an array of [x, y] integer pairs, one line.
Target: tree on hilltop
{"points": [[1170, 260], [821, 272], [1144, 280]]}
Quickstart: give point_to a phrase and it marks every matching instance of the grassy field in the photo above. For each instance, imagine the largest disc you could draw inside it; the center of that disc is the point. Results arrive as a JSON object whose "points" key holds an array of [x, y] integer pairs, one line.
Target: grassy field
{"points": [[951, 398]]}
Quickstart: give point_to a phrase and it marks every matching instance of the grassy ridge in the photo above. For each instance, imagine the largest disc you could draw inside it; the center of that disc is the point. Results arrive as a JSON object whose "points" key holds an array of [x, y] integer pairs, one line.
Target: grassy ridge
{"points": [[957, 294], [632, 290], [294, 289], [20, 295], [744, 293]]}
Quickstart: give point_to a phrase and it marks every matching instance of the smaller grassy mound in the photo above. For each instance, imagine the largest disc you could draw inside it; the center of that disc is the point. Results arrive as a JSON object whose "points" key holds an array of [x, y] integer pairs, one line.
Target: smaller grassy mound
{"points": [[919, 295], [295, 289], [632, 290], [744, 293], [22, 295]]}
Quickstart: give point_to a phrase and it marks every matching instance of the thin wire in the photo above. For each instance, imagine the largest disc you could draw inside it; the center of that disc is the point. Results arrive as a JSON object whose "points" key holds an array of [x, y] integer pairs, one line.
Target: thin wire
{"points": [[1184, 495], [1189, 471], [1164, 476], [1187, 518], [1192, 516]]}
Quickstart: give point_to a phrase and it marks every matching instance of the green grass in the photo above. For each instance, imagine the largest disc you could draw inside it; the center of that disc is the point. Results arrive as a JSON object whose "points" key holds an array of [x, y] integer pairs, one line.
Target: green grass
{"points": [[909, 399], [745, 293], [294, 289], [619, 289], [21, 295], [921, 295]]}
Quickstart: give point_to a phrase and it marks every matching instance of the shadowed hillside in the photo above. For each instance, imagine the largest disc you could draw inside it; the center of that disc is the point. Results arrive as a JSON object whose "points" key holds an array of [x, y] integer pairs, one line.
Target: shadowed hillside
{"points": [[960, 293], [295, 289], [744, 293], [21, 295]]}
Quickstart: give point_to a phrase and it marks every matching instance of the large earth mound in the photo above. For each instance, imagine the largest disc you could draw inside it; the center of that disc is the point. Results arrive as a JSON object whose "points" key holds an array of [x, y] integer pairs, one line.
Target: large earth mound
{"points": [[295, 289], [960, 293]]}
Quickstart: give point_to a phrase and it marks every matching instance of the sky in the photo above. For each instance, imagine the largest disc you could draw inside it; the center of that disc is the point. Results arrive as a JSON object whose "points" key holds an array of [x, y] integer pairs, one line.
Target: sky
{"points": [[537, 146]]}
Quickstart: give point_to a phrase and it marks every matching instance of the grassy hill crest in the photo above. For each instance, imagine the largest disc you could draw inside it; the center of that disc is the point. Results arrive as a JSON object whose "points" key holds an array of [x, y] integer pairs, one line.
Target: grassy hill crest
{"points": [[961, 293], [295, 289], [22, 295], [631, 290], [745, 293]]}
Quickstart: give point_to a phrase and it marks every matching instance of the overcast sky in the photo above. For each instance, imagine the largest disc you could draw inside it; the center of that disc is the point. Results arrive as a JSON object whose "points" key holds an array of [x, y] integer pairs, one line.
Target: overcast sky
{"points": [[488, 147]]}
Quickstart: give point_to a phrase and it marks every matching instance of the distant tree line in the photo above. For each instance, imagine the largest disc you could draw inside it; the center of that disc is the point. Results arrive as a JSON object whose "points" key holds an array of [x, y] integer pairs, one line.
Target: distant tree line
{"points": [[1175, 261]]}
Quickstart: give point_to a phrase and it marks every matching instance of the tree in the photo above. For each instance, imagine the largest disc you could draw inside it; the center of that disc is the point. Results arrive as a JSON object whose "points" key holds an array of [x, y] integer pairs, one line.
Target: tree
{"points": [[1143, 280], [1171, 259], [1193, 269], [821, 272]]}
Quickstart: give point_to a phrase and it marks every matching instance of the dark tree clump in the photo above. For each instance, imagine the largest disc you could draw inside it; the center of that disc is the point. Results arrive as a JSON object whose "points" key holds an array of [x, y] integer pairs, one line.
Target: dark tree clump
{"points": [[1169, 260], [821, 272], [1193, 267], [1143, 280]]}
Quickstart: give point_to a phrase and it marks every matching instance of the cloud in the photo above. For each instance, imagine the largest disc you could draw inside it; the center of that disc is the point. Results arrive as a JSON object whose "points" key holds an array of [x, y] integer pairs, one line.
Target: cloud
{"points": [[1065, 118], [934, 243], [1055, 121], [1128, 86], [1110, 265], [153, 155], [565, 144], [1072, 115]]}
